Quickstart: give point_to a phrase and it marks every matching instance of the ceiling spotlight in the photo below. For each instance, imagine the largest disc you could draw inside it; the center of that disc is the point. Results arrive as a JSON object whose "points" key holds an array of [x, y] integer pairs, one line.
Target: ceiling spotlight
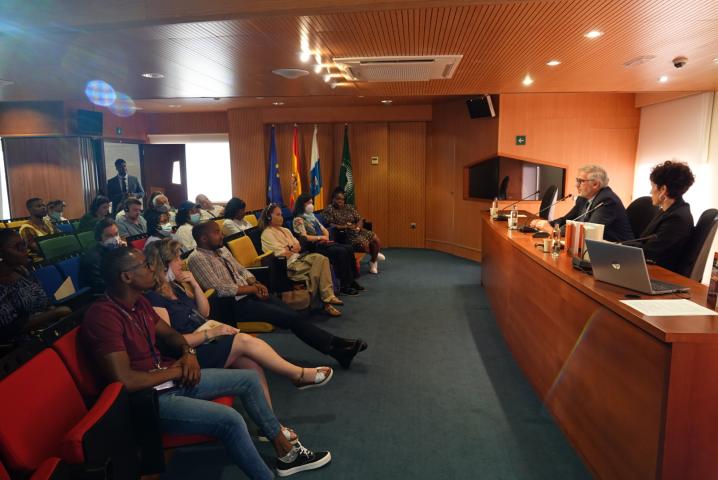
{"points": [[593, 34], [327, 78], [153, 75], [318, 58], [318, 67], [174, 105], [305, 56], [259, 98], [332, 85], [527, 80], [360, 96], [277, 103], [663, 78], [387, 102], [553, 63]]}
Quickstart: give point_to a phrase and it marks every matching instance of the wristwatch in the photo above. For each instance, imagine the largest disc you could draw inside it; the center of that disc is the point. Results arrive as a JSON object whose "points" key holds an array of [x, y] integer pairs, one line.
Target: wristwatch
{"points": [[191, 351]]}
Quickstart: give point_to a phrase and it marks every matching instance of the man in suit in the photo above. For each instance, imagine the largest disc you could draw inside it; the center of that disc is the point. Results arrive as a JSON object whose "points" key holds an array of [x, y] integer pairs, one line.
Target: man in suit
{"points": [[596, 203], [122, 185]]}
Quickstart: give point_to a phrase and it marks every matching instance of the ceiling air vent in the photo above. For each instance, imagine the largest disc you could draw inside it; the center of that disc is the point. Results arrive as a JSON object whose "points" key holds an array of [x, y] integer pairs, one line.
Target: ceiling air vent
{"points": [[399, 69]]}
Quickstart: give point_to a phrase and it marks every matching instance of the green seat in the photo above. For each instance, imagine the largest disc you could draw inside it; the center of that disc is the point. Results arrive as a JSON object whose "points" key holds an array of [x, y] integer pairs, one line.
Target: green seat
{"points": [[75, 224], [57, 246], [86, 239]]}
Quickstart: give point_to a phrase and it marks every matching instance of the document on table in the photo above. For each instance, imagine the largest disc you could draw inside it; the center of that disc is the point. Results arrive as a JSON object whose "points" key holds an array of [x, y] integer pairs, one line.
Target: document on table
{"points": [[668, 307]]}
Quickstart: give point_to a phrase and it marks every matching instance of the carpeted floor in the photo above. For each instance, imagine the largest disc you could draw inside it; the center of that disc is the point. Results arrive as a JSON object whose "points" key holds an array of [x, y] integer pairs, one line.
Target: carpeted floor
{"points": [[436, 396]]}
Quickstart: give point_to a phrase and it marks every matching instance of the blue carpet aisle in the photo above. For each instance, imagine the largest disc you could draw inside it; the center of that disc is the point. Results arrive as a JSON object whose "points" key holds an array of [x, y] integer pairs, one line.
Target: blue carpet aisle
{"points": [[436, 396]]}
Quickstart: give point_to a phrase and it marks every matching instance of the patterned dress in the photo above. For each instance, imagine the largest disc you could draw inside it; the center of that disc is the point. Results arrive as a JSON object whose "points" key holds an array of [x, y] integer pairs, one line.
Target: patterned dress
{"points": [[348, 214], [18, 301]]}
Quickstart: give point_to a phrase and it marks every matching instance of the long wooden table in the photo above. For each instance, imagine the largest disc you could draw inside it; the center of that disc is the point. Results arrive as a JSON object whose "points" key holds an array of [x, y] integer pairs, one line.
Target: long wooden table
{"points": [[637, 396]]}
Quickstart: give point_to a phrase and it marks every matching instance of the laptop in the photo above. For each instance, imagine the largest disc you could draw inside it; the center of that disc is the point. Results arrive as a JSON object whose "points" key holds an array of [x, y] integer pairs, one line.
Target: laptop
{"points": [[625, 266]]}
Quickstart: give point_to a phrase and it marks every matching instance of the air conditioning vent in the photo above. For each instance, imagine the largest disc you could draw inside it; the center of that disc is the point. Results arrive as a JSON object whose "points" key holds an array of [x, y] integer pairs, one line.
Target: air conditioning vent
{"points": [[399, 69]]}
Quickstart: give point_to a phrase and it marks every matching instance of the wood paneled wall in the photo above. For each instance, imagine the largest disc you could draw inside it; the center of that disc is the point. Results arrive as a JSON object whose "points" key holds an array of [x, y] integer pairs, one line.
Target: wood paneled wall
{"points": [[31, 118], [407, 184], [455, 141], [247, 156], [574, 129], [180, 123]]}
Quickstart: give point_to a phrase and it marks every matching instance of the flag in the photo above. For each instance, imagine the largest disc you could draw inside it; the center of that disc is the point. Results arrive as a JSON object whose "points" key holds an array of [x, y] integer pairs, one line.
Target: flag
{"points": [[315, 175], [346, 179], [274, 187], [296, 179]]}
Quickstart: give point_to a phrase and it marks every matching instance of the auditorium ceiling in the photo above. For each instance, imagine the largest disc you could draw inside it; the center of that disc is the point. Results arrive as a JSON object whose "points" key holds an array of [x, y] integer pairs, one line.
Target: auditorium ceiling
{"points": [[227, 49]]}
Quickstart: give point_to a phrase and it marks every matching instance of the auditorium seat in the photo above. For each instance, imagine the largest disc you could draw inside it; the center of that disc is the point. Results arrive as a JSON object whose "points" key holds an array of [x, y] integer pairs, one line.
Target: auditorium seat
{"points": [[699, 245], [546, 200], [640, 213], [137, 241], [86, 239], [243, 250], [251, 219], [65, 227], [59, 245], [50, 278]]}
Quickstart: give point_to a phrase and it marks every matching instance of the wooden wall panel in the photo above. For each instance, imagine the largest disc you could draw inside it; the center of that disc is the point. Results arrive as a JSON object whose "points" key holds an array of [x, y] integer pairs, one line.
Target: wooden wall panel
{"points": [[31, 118], [407, 184], [352, 114], [574, 129], [48, 168], [247, 156], [177, 123]]}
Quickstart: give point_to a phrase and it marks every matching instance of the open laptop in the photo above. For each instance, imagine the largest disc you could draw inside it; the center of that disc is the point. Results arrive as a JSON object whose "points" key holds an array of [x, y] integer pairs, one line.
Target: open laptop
{"points": [[625, 266]]}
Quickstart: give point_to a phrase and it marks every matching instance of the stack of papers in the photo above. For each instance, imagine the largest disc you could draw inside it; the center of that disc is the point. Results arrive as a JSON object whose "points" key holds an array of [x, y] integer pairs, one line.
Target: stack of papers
{"points": [[668, 308]]}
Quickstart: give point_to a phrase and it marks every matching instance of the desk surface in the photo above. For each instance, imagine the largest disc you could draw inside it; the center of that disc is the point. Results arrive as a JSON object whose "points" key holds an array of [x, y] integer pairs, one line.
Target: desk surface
{"points": [[693, 329]]}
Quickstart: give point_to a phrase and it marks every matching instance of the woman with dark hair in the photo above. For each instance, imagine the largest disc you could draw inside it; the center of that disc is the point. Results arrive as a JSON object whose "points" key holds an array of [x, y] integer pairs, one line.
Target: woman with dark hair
{"points": [[673, 225], [99, 209], [24, 306], [310, 268], [234, 221], [158, 226], [344, 217], [187, 217], [341, 256]]}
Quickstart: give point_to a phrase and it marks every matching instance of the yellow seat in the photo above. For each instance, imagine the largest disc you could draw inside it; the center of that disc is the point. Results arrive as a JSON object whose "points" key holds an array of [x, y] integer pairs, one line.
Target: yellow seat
{"points": [[251, 219], [16, 223], [244, 252], [2, 224], [220, 222]]}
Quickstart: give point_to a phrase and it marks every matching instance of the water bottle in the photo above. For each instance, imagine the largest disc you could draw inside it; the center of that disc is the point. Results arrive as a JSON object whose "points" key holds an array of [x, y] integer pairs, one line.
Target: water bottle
{"points": [[495, 208], [556, 246], [514, 218]]}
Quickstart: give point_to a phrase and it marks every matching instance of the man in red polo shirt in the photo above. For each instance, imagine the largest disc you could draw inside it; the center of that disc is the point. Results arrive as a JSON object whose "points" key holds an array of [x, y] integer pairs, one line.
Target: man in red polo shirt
{"points": [[121, 330]]}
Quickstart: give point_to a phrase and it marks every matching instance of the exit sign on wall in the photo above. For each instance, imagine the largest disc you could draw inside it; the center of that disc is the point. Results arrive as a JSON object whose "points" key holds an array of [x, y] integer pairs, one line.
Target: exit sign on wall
{"points": [[520, 139]]}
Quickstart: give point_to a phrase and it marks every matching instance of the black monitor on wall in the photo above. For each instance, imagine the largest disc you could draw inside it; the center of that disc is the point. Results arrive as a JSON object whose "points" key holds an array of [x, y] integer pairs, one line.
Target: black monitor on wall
{"points": [[482, 106], [88, 122]]}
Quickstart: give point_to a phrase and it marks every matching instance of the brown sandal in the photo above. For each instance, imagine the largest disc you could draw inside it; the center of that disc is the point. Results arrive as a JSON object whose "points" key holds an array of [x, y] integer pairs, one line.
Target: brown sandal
{"points": [[334, 301], [331, 310]]}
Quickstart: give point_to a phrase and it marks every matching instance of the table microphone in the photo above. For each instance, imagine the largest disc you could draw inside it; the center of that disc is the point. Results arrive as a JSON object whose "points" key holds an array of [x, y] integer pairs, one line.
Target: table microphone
{"points": [[589, 211], [641, 239], [504, 217], [526, 229]]}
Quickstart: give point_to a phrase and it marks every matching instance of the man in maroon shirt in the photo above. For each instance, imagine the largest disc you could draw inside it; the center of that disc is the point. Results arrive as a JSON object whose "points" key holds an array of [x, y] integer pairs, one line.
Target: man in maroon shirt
{"points": [[121, 330]]}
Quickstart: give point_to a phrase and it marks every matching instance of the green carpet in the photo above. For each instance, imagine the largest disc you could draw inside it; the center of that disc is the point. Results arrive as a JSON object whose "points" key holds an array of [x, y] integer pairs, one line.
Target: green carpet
{"points": [[436, 396]]}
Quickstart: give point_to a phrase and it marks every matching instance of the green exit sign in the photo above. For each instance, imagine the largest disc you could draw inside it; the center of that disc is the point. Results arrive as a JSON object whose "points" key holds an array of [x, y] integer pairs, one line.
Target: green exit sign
{"points": [[520, 139]]}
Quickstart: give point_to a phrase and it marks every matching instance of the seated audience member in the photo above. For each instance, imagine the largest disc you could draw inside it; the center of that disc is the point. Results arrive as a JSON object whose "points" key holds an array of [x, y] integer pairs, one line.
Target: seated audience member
{"points": [[121, 331], [158, 226], [673, 225], [208, 210], [187, 217], [132, 223], [341, 255], [310, 268], [593, 190], [179, 300], [55, 209], [344, 217], [162, 205], [99, 209], [37, 226], [240, 297], [24, 306], [234, 221], [108, 238]]}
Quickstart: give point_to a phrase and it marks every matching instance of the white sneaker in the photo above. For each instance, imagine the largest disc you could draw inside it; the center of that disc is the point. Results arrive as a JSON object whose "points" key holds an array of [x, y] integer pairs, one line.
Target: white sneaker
{"points": [[380, 256], [374, 267]]}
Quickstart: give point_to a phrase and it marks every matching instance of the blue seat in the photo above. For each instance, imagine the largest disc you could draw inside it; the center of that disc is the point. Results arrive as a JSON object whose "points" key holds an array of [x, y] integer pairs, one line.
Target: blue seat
{"points": [[288, 217], [65, 227], [50, 278], [70, 267]]}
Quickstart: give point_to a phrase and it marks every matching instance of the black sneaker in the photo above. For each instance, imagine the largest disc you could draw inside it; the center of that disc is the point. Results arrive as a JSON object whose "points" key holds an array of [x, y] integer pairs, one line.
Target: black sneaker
{"points": [[356, 286], [305, 460], [349, 291]]}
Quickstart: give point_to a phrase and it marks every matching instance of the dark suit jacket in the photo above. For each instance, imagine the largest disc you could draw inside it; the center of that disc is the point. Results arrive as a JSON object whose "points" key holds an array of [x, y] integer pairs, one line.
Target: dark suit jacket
{"points": [[612, 215], [114, 190], [672, 228]]}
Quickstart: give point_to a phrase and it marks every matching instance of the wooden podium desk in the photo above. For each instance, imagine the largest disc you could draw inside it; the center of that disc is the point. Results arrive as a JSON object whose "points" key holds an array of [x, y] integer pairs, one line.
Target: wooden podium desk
{"points": [[637, 396]]}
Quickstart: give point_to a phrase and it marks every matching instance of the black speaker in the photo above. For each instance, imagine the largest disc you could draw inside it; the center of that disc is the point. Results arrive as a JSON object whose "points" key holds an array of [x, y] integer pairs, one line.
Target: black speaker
{"points": [[481, 107], [88, 122]]}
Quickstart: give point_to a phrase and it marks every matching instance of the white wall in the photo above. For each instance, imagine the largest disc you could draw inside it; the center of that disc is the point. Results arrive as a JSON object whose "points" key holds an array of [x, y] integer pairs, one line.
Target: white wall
{"points": [[130, 152], [685, 129]]}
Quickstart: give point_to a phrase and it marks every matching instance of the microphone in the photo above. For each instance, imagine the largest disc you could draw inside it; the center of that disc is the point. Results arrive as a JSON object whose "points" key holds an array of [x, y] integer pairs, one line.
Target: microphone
{"points": [[521, 200], [647, 237], [589, 211], [527, 229]]}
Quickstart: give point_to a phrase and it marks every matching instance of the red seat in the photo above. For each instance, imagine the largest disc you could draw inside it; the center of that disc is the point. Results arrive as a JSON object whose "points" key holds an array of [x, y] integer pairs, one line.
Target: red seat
{"points": [[139, 244]]}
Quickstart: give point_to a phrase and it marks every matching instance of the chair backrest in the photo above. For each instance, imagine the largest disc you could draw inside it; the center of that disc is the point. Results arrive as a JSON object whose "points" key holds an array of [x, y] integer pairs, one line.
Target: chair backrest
{"points": [[288, 217], [640, 213], [65, 227], [546, 201], [251, 219], [503, 188], [57, 246], [699, 245], [79, 364], [243, 250], [255, 234], [138, 241], [86, 239], [220, 222], [40, 405], [70, 267], [50, 279], [15, 223]]}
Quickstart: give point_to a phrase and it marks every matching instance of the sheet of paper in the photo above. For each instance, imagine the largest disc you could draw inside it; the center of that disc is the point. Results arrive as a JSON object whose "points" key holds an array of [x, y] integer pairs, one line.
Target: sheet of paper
{"points": [[66, 289], [668, 307]]}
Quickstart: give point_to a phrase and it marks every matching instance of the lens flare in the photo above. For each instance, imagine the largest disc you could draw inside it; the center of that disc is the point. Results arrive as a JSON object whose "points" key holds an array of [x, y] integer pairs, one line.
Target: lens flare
{"points": [[100, 93], [123, 106]]}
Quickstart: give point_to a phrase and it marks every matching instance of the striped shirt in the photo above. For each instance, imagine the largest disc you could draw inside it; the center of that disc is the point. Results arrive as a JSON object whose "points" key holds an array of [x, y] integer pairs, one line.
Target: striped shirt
{"points": [[218, 269]]}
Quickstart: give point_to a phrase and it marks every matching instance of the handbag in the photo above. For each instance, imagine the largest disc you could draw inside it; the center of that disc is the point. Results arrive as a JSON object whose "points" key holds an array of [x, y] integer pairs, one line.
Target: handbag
{"points": [[297, 299]]}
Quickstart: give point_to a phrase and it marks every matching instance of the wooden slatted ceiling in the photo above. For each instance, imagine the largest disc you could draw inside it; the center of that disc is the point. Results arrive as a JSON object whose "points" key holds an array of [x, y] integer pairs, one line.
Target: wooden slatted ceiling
{"points": [[501, 42]]}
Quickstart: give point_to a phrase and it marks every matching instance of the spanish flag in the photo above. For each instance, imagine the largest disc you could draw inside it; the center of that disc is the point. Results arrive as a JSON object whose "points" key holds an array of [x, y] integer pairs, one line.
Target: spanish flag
{"points": [[296, 189]]}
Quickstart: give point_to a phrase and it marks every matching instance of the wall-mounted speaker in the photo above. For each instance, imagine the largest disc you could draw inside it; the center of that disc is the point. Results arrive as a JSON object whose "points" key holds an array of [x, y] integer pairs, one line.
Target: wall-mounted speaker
{"points": [[481, 107], [88, 122]]}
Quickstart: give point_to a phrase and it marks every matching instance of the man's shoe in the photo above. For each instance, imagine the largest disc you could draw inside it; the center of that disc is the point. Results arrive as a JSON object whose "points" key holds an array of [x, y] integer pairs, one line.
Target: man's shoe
{"points": [[349, 291], [374, 267], [357, 287], [345, 354], [301, 459]]}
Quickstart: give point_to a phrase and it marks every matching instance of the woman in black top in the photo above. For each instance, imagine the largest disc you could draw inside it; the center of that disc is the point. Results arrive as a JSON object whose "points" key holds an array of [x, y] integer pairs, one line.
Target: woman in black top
{"points": [[673, 225], [221, 346]]}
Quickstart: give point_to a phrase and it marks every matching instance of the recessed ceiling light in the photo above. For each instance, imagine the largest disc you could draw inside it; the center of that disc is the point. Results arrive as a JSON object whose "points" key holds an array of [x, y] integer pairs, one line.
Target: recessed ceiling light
{"points": [[332, 85], [277, 103], [318, 67], [663, 78], [174, 105], [553, 63], [260, 98], [634, 62], [360, 96], [305, 56], [527, 80], [5, 83], [327, 78], [153, 75], [387, 102], [593, 34], [290, 73]]}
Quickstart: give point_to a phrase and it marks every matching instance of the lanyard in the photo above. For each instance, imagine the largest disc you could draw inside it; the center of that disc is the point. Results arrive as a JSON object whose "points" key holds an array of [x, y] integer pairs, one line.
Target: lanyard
{"points": [[144, 329]]}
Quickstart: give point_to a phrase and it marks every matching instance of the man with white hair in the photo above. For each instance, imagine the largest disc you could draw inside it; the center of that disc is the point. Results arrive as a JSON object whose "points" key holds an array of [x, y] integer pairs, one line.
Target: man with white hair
{"points": [[596, 203], [208, 210]]}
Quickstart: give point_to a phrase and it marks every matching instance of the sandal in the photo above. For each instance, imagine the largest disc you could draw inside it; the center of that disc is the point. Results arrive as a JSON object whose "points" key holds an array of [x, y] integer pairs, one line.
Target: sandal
{"points": [[333, 301], [331, 310], [288, 433], [322, 377]]}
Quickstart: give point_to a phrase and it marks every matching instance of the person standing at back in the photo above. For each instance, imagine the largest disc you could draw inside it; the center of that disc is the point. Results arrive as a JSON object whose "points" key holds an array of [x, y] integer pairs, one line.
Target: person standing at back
{"points": [[122, 185]]}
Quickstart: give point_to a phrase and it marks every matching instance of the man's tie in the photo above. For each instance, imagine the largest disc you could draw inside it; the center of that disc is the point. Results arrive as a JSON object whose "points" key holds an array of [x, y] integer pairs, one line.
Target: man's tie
{"points": [[588, 207]]}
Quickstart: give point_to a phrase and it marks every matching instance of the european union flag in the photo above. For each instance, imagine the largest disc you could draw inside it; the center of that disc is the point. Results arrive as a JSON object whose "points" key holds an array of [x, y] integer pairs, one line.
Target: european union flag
{"points": [[274, 187]]}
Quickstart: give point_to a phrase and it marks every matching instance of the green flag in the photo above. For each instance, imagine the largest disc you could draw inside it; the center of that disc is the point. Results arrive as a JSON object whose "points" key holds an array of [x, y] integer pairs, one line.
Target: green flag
{"points": [[346, 178]]}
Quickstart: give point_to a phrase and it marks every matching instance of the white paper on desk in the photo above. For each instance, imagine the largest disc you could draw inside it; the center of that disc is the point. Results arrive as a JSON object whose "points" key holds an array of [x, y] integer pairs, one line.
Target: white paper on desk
{"points": [[668, 307]]}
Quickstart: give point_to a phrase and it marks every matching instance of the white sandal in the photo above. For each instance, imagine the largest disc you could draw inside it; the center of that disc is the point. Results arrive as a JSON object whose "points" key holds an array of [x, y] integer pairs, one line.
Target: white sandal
{"points": [[322, 377]]}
